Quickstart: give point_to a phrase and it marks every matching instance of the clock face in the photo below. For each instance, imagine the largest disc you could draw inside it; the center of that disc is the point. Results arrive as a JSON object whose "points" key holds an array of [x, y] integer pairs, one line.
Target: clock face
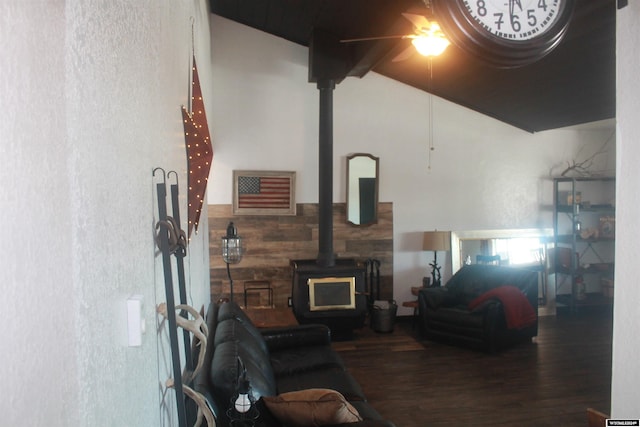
{"points": [[505, 33], [515, 19]]}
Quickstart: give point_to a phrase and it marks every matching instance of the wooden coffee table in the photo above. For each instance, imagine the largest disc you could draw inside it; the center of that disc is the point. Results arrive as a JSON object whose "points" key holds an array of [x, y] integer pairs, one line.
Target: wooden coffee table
{"points": [[271, 317]]}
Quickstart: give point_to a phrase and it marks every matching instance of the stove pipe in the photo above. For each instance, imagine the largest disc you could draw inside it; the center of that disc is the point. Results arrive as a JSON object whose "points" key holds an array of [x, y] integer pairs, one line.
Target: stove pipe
{"points": [[326, 257]]}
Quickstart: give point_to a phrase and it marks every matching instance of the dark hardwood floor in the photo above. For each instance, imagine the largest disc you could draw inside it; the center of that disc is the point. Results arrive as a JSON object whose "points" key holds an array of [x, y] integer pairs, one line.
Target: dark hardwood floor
{"points": [[550, 382]]}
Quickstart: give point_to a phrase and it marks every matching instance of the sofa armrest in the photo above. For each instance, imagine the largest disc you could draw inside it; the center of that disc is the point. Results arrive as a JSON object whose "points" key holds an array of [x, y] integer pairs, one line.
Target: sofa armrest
{"points": [[485, 306], [296, 336]]}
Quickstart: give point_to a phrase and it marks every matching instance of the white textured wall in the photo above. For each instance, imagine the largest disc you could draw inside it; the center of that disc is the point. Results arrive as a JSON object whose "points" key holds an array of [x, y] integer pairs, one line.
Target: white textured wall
{"points": [[38, 362], [626, 346], [484, 174], [91, 96]]}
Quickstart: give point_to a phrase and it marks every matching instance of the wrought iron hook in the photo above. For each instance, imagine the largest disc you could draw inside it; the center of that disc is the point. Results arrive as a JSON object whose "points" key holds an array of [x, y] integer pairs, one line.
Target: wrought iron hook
{"points": [[175, 173], [164, 174]]}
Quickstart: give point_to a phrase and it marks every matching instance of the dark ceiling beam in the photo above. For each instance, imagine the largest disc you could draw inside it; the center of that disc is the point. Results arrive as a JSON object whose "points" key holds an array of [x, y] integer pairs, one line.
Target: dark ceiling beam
{"points": [[328, 58], [364, 60]]}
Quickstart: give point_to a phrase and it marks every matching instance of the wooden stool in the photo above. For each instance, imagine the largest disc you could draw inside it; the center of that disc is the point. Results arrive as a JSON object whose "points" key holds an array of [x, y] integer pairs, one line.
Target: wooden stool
{"points": [[414, 305]]}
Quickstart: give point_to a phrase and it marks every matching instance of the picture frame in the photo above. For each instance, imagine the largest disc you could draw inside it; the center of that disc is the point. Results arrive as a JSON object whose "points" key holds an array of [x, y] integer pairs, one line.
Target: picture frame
{"points": [[258, 192]]}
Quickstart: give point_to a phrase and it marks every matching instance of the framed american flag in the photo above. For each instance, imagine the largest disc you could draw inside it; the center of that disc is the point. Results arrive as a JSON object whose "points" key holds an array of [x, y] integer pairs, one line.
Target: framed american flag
{"points": [[264, 193]]}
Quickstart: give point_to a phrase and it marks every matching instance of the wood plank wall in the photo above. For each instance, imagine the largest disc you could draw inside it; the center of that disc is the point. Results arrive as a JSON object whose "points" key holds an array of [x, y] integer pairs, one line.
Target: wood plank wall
{"points": [[272, 241]]}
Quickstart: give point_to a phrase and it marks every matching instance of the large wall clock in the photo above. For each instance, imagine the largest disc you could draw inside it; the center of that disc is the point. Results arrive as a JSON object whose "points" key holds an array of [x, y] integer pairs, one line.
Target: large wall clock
{"points": [[505, 33]]}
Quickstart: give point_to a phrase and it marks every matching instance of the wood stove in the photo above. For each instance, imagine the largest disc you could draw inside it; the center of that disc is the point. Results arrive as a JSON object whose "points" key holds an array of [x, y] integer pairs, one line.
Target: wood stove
{"points": [[334, 296], [338, 298]]}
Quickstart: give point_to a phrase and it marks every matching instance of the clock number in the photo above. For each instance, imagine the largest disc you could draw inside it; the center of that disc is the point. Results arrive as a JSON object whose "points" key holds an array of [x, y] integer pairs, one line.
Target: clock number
{"points": [[481, 8], [542, 4], [515, 23], [505, 33], [499, 19]]}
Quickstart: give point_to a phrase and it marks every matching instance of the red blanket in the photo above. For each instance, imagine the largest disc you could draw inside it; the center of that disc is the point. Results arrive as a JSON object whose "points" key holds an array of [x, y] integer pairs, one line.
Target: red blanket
{"points": [[517, 309]]}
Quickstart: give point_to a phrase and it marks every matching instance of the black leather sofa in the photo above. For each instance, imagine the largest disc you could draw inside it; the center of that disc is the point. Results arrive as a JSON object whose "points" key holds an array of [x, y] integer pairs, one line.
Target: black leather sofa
{"points": [[276, 361], [485, 307]]}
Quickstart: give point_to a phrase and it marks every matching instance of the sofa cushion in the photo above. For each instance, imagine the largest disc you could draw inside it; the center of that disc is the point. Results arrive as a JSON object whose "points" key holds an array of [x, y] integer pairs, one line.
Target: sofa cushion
{"points": [[301, 359], [296, 336], [437, 297], [460, 316], [333, 378], [236, 330], [232, 311], [312, 408]]}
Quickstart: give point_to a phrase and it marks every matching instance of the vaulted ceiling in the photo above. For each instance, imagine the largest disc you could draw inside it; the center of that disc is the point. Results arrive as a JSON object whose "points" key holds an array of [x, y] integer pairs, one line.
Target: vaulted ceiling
{"points": [[574, 84]]}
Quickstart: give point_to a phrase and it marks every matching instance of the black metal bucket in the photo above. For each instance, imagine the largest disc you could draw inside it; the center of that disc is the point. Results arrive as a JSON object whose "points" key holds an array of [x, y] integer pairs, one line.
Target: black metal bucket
{"points": [[383, 316]]}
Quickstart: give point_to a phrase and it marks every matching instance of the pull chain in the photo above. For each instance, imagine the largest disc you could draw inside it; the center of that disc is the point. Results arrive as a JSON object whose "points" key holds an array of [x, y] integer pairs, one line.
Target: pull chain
{"points": [[191, 65], [430, 122]]}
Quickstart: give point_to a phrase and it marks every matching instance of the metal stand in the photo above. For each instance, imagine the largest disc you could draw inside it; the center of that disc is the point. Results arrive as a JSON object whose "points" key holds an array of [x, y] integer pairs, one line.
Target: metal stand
{"points": [[435, 270], [164, 232], [257, 286], [373, 275], [180, 253]]}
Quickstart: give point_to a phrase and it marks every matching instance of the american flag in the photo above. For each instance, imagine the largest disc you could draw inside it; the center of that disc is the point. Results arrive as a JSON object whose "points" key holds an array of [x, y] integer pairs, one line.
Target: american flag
{"points": [[264, 192]]}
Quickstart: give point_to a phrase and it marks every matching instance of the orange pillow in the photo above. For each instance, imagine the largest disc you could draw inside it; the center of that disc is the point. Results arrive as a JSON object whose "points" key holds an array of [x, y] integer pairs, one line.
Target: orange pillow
{"points": [[311, 408]]}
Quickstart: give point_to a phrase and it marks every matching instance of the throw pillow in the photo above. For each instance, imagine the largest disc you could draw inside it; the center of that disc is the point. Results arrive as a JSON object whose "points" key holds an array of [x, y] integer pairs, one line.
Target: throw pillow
{"points": [[312, 408]]}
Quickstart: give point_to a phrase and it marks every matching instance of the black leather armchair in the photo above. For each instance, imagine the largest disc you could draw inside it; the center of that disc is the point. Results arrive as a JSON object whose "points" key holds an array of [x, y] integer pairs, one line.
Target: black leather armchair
{"points": [[482, 306]]}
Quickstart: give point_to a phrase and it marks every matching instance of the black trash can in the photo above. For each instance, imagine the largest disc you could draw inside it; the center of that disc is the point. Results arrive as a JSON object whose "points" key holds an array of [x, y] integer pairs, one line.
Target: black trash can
{"points": [[383, 316]]}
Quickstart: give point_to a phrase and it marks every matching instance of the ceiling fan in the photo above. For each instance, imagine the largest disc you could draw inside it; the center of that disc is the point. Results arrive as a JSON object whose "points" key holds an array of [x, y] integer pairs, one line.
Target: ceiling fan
{"points": [[428, 38]]}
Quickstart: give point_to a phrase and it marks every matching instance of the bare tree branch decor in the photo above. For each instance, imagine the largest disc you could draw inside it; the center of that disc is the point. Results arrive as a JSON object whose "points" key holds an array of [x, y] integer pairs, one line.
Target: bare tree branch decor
{"points": [[583, 168]]}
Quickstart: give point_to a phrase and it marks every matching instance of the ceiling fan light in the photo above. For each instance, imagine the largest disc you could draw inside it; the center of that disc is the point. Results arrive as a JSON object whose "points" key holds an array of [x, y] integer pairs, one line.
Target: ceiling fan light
{"points": [[430, 45]]}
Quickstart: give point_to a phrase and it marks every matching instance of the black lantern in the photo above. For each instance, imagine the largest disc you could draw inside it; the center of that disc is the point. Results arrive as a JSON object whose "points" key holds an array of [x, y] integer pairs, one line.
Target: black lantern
{"points": [[242, 410], [232, 251]]}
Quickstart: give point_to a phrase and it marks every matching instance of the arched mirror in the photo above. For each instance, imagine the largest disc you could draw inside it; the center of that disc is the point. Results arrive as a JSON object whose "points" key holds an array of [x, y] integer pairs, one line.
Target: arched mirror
{"points": [[362, 189]]}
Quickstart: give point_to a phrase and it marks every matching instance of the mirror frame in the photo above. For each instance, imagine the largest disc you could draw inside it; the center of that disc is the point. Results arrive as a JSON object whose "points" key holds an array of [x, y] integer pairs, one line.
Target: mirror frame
{"points": [[350, 191], [456, 236]]}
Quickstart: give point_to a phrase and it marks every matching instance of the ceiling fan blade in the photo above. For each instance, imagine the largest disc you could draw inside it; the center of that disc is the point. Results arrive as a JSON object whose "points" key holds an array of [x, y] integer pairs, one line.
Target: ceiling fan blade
{"points": [[362, 39], [418, 21], [405, 54]]}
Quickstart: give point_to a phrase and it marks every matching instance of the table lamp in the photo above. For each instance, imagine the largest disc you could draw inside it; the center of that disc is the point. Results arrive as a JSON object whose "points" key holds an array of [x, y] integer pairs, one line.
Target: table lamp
{"points": [[436, 241]]}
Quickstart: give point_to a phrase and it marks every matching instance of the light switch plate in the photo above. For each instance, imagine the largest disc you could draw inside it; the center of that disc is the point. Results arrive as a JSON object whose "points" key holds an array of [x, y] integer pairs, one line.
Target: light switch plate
{"points": [[135, 321]]}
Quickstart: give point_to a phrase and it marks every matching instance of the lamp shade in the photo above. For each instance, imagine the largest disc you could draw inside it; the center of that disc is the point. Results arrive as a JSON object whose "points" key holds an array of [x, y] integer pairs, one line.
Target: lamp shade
{"points": [[436, 241]]}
